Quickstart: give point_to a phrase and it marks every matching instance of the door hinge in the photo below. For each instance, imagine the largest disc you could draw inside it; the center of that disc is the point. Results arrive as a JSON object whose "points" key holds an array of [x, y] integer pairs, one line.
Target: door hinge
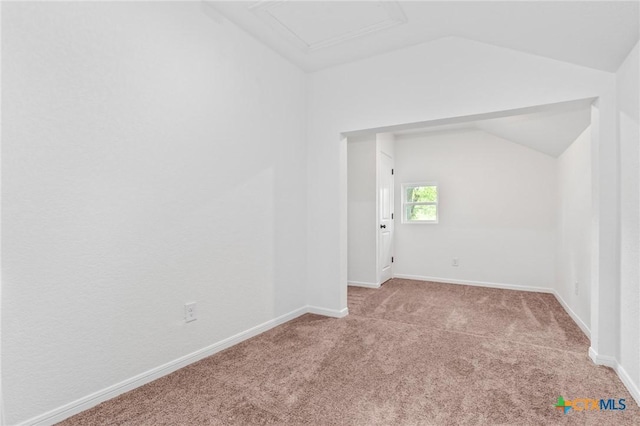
{"points": [[391, 215], [391, 171], [391, 259]]}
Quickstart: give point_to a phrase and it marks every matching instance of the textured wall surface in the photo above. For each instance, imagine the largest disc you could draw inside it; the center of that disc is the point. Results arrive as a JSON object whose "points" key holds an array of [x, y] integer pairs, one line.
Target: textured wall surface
{"points": [[497, 210], [362, 210], [628, 80], [151, 157], [574, 249]]}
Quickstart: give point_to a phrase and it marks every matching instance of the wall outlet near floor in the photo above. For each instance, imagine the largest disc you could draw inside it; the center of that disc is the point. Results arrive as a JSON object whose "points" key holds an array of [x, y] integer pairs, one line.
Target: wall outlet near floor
{"points": [[190, 312], [576, 287], [454, 262]]}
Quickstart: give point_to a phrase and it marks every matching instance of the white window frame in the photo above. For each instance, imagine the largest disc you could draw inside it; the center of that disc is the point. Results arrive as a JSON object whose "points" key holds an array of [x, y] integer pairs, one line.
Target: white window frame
{"points": [[405, 203]]}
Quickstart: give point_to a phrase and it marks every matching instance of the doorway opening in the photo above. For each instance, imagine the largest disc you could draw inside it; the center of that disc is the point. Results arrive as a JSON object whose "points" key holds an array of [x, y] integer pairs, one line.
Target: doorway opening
{"points": [[371, 207], [513, 199]]}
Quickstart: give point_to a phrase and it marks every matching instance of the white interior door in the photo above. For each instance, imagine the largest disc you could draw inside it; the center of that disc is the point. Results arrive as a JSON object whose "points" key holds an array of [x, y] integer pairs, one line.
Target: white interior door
{"points": [[385, 218]]}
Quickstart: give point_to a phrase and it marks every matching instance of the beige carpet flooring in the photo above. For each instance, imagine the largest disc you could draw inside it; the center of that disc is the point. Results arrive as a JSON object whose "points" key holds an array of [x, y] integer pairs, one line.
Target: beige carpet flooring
{"points": [[409, 353]]}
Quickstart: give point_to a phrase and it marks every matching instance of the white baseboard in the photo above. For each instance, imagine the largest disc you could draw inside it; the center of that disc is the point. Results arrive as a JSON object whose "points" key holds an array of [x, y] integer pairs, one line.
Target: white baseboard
{"points": [[475, 283], [632, 387], [58, 414], [626, 380], [585, 329], [328, 312], [607, 361], [363, 284]]}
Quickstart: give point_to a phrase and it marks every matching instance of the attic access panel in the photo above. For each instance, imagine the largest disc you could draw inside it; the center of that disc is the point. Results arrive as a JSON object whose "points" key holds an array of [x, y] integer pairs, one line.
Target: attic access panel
{"points": [[316, 25]]}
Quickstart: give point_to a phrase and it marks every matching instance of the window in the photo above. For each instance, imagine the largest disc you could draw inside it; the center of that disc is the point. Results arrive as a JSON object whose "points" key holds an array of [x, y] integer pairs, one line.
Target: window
{"points": [[420, 203]]}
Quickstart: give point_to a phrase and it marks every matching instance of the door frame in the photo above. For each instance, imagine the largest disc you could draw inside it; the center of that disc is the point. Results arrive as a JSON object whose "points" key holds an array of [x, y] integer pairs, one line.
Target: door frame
{"points": [[384, 145]]}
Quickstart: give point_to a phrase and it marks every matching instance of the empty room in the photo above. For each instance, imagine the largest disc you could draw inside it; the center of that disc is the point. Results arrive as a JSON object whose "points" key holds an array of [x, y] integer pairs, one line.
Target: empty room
{"points": [[320, 212]]}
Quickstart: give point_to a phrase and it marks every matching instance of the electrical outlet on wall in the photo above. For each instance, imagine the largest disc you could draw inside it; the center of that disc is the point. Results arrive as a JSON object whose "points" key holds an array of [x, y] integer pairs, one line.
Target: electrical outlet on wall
{"points": [[454, 262], [190, 312], [576, 288]]}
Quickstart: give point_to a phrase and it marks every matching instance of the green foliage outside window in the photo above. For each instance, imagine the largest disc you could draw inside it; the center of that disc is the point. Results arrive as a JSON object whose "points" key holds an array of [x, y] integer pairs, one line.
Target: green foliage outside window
{"points": [[420, 194], [422, 212]]}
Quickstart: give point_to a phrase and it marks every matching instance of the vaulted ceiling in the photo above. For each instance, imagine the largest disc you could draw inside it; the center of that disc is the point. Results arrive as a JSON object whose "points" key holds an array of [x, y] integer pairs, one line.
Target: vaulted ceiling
{"points": [[320, 34], [549, 129]]}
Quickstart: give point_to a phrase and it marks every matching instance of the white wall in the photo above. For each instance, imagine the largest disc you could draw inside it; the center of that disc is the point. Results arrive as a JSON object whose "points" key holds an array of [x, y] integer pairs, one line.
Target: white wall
{"points": [[362, 211], [574, 248], [497, 204], [151, 157], [629, 132]]}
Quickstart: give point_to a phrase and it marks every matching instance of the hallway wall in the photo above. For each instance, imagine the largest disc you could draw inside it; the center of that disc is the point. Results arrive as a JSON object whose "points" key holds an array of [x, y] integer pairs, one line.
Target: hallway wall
{"points": [[497, 211], [575, 240]]}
